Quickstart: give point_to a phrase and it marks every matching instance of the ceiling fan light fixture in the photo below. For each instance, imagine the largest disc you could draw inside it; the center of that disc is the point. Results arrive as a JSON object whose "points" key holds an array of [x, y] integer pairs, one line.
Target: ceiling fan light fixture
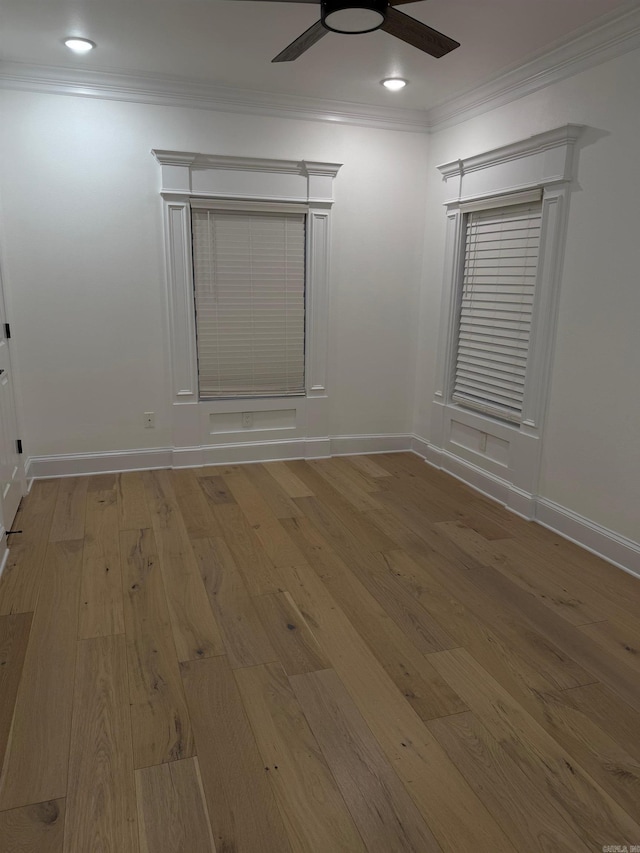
{"points": [[79, 45], [394, 84], [353, 16]]}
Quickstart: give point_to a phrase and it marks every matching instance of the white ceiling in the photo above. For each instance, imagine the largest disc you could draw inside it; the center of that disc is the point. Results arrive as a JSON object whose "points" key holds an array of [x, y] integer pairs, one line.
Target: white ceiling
{"points": [[232, 42]]}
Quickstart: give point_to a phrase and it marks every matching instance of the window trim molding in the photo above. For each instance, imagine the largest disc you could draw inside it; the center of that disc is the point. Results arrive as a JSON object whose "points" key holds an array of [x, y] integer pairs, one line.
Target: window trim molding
{"points": [[542, 162], [186, 175]]}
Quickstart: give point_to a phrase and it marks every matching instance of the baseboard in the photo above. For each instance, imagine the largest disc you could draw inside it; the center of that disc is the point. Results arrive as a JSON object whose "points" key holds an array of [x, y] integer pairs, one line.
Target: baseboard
{"points": [[617, 549], [611, 546], [77, 464], [354, 445]]}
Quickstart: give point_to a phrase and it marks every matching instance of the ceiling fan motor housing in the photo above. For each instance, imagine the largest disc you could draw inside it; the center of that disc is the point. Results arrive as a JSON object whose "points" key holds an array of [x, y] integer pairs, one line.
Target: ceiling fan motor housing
{"points": [[353, 16]]}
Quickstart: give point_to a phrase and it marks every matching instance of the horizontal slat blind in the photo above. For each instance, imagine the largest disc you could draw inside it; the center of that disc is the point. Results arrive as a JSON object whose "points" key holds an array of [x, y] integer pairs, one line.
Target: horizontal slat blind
{"points": [[249, 279], [500, 267]]}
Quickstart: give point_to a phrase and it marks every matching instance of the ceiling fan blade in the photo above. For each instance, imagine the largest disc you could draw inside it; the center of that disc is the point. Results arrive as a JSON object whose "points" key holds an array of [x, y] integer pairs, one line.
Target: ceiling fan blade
{"points": [[401, 2], [304, 42], [417, 34]]}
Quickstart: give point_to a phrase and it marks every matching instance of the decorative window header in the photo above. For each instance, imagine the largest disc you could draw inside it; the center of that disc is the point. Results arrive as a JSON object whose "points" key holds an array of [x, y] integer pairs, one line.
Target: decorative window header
{"points": [[188, 173], [540, 160]]}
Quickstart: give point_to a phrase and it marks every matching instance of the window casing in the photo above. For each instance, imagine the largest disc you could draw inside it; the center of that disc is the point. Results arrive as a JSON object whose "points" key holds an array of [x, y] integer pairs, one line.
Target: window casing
{"points": [[498, 449], [223, 429]]}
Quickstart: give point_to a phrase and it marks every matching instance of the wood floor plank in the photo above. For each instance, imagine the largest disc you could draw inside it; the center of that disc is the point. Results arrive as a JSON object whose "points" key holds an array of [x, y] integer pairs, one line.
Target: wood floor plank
{"points": [[14, 635], [556, 585], [621, 641], [338, 514], [525, 571], [278, 546], [161, 729], [525, 810], [349, 484], [608, 763], [195, 632], [433, 505], [442, 500], [101, 805], [454, 814], [601, 705], [368, 465], [280, 504], [194, 506], [69, 512], [242, 808], [250, 559], [316, 549], [20, 580], [358, 477], [331, 528], [574, 563], [216, 490], [172, 815], [490, 597], [133, 512], [315, 814], [101, 608], [577, 577], [426, 691], [292, 484], [243, 636], [412, 470], [35, 768], [572, 644], [292, 639], [590, 811], [481, 672], [384, 813], [426, 633], [37, 828], [519, 659]]}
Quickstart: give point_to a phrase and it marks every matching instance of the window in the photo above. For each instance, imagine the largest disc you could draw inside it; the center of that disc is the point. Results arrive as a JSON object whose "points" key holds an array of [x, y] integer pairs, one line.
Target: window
{"points": [[249, 282], [496, 302], [505, 225]]}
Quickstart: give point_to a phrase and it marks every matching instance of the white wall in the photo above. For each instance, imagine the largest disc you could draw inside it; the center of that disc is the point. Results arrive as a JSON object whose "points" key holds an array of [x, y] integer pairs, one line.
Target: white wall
{"points": [[83, 261], [82, 254], [591, 450]]}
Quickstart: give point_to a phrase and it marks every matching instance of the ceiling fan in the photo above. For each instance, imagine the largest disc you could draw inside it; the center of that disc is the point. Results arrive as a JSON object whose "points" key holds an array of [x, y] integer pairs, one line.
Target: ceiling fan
{"points": [[365, 16]]}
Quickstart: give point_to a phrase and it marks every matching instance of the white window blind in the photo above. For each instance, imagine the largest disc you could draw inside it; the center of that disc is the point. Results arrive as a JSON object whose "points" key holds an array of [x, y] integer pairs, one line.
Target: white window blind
{"points": [[500, 267], [249, 279]]}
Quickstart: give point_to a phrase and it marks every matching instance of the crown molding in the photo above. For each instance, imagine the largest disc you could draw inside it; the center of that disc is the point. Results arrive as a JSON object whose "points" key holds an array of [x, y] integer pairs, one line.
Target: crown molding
{"points": [[610, 36], [197, 94], [606, 38]]}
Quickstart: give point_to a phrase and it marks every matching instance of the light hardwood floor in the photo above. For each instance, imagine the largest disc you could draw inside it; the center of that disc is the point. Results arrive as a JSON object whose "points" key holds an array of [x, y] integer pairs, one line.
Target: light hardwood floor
{"points": [[355, 654]]}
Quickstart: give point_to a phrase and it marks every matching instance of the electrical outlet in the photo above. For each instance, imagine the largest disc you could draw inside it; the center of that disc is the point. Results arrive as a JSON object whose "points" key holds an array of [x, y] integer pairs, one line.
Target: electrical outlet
{"points": [[247, 420], [149, 420]]}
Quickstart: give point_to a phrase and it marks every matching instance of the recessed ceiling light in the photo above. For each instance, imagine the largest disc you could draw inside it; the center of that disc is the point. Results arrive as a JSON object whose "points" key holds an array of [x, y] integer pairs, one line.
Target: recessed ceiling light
{"points": [[78, 45], [394, 83]]}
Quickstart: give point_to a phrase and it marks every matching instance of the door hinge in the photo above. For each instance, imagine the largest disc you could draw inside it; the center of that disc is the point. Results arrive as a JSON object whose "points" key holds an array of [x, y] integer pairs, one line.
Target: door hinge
{"points": [[7, 331], [18, 445]]}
